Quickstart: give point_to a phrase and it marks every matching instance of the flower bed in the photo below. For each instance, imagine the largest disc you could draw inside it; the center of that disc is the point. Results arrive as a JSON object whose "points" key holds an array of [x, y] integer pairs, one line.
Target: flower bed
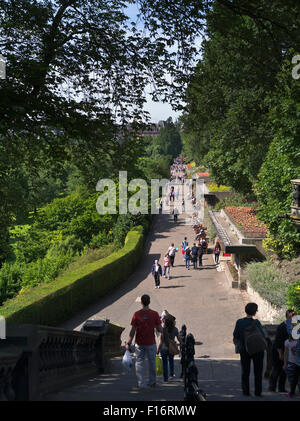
{"points": [[245, 219], [215, 187]]}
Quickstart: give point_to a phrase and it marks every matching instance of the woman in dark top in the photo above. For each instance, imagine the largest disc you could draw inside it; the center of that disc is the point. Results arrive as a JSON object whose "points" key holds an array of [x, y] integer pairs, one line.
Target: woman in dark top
{"points": [[169, 332], [258, 358]]}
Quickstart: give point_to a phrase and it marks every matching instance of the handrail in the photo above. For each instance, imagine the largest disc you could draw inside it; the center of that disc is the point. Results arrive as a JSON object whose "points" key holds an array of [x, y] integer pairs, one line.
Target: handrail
{"points": [[36, 360], [189, 369]]}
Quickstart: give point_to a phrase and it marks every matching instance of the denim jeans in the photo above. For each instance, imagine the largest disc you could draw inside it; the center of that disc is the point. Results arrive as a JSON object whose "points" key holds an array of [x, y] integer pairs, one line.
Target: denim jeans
{"points": [[167, 358], [141, 351], [194, 260], [293, 378], [187, 261]]}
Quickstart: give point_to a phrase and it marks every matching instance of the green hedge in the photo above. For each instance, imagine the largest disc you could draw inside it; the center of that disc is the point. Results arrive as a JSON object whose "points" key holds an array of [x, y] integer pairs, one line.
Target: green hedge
{"points": [[51, 304]]}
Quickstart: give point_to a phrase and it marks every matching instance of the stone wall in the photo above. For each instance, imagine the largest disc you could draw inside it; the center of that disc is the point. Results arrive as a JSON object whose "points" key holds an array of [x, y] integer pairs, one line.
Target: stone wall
{"points": [[266, 311]]}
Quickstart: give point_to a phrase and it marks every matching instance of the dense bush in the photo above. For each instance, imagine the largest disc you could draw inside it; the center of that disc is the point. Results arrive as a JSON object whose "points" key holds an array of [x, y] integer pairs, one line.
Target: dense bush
{"points": [[52, 303], [294, 296], [125, 223], [236, 199], [265, 279], [101, 239], [282, 164]]}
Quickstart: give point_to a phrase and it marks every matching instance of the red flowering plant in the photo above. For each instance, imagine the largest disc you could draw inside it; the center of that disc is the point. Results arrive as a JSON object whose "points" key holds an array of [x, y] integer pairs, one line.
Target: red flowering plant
{"points": [[245, 218]]}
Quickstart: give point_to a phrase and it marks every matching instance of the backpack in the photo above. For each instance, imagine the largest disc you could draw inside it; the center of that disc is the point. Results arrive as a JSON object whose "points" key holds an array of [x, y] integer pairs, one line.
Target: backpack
{"points": [[172, 252], [254, 340], [195, 251], [203, 244]]}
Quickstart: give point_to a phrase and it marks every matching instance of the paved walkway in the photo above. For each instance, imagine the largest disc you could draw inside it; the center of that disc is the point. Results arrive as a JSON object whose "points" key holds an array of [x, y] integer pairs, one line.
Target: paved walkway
{"points": [[202, 299]]}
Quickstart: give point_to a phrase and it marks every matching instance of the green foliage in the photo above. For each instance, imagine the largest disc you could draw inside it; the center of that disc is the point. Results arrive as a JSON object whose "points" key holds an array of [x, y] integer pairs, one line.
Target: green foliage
{"points": [[155, 168], [10, 280], [168, 142], [101, 239], [50, 304], [265, 278], [235, 199], [282, 163], [216, 187], [294, 296], [125, 223]]}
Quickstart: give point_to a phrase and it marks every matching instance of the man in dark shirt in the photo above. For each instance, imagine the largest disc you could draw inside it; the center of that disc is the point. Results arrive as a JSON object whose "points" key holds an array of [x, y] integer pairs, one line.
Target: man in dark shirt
{"points": [[258, 358], [277, 373]]}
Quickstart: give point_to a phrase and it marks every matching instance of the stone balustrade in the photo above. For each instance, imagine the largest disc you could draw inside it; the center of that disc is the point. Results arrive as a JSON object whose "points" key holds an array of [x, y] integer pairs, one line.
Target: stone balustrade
{"points": [[36, 360]]}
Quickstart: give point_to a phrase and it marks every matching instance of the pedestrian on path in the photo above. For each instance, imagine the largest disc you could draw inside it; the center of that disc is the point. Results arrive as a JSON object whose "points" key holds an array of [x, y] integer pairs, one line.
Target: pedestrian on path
{"points": [[167, 346], [183, 205], [175, 212], [184, 245], [200, 254], [217, 251], [187, 257], [277, 374], [167, 264], [171, 252], [157, 273], [290, 366], [249, 338], [144, 322], [194, 253]]}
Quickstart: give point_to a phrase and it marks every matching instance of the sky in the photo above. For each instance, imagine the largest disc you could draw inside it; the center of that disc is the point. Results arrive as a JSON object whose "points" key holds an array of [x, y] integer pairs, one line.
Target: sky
{"points": [[158, 110]]}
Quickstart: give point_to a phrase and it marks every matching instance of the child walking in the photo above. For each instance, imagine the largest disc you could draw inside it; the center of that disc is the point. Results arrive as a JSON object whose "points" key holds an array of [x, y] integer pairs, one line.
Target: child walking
{"points": [[290, 366]]}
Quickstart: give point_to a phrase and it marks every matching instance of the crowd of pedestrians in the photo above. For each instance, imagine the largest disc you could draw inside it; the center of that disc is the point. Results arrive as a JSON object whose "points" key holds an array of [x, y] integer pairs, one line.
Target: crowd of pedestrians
{"points": [[249, 336], [251, 343]]}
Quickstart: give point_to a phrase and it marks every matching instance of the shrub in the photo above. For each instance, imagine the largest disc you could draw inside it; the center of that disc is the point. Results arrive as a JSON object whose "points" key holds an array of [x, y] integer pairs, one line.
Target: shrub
{"points": [[216, 187], [101, 239], [45, 270], [32, 243], [265, 279], [70, 243], [294, 296], [52, 303], [10, 280], [125, 223], [236, 199]]}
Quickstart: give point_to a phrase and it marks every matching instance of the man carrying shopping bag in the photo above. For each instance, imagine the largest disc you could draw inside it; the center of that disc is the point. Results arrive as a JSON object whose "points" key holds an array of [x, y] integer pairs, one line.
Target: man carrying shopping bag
{"points": [[143, 323]]}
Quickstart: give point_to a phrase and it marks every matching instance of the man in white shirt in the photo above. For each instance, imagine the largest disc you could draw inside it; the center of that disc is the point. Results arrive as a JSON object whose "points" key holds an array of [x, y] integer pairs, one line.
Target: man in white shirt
{"points": [[171, 251], [156, 272]]}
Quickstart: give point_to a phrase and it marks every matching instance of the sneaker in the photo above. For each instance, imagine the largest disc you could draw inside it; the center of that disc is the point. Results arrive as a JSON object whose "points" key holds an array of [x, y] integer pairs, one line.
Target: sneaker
{"points": [[158, 287], [142, 387], [151, 385]]}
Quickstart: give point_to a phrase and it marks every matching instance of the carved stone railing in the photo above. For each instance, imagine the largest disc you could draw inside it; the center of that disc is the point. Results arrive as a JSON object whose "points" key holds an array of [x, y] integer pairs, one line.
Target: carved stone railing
{"points": [[36, 360], [8, 361]]}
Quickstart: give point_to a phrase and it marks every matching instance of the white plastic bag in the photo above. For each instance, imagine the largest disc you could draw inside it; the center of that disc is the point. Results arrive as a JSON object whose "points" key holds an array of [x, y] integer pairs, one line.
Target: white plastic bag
{"points": [[127, 361]]}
